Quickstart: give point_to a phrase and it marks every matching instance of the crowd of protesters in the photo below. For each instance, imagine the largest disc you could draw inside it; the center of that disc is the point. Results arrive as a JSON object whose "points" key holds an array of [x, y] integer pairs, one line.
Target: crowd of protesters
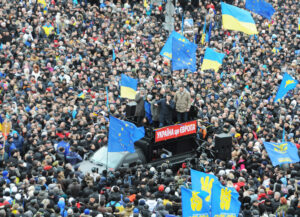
{"points": [[60, 65]]}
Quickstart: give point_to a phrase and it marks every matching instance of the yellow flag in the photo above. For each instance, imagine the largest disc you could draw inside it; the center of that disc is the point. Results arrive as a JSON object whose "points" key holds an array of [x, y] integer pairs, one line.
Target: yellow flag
{"points": [[145, 3], [43, 2]]}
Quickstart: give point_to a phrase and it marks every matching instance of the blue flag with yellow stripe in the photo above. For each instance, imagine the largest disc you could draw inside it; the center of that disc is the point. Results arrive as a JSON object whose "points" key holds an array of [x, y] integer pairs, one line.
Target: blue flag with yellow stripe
{"points": [[184, 55], [234, 18], [122, 135], [193, 203], [288, 83], [128, 87], [225, 201], [212, 60], [280, 153]]}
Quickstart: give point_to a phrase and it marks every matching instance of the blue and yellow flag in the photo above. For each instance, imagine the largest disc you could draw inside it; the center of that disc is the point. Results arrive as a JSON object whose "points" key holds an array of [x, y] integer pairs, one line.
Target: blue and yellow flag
{"points": [[288, 83], [128, 87], [225, 201], [122, 135], [280, 153], [207, 38], [260, 7], [193, 203], [299, 23], [203, 37], [203, 182], [42, 2], [166, 51], [81, 95], [212, 60], [234, 18], [1, 122], [147, 106], [184, 55], [48, 29]]}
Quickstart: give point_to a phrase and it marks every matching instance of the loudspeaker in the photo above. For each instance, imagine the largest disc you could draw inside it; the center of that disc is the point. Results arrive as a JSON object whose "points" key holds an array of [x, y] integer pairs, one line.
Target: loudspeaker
{"points": [[223, 146], [130, 109]]}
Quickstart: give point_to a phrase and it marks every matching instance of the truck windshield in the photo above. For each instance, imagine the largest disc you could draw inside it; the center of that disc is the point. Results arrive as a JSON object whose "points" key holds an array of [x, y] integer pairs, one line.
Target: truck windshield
{"points": [[100, 157]]}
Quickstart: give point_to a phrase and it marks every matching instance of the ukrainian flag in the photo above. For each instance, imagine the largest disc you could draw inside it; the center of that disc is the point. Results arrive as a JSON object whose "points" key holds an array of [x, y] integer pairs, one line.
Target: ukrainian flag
{"points": [[1, 122], [128, 87], [212, 60], [234, 18], [42, 2], [299, 23]]}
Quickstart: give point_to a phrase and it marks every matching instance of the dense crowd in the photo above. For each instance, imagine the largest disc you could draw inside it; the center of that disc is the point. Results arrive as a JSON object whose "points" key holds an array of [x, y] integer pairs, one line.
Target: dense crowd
{"points": [[60, 65]]}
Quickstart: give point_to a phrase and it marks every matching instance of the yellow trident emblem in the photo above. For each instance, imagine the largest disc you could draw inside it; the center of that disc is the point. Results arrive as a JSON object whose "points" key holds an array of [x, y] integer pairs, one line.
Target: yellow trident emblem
{"points": [[282, 148], [196, 201], [206, 185], [225, 199], [288, 82]]}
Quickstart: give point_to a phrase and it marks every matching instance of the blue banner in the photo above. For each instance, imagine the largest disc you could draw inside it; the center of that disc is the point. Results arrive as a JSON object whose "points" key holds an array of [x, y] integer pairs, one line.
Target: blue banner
{"points": [[225, 202], [193, 203], [203, 182], [280, 153]]}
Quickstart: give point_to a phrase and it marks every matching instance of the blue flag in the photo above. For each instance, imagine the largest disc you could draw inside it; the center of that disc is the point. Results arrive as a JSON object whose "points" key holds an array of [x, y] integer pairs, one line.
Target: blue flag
{"points": [[113, 55], [260, 7], [203, 182], [147, 106], [65, 145], [225, 201], [193, 203], [166, 51], [122, 135], [280, 153], [184, 55], [288, 83], [209, 33]]}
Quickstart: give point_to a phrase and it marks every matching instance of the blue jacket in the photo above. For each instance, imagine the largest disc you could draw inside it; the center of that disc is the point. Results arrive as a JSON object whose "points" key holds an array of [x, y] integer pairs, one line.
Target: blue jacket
{"points": [[73, 158], [165, 110], [19, 142]]}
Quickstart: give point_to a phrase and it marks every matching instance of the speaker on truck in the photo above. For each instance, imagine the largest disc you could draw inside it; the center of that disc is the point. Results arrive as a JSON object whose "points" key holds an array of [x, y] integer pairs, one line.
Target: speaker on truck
{"points": [[223, 146], [130, 109]]}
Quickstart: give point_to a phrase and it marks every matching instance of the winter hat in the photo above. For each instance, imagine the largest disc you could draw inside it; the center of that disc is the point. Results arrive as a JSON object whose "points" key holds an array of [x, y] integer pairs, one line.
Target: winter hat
{"points": [[136, 210], [86, 211], [161, 188]]}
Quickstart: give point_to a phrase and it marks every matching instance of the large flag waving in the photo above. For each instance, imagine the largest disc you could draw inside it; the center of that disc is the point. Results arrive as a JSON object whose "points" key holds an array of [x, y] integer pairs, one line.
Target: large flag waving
{"points": [[203, 182], [288, 83], [193, 203], [166, 51], [184, 55], [212, 60], [280, 153], [234, 18], [122, 135], [225, 201], [128, 87], [260, 7]]}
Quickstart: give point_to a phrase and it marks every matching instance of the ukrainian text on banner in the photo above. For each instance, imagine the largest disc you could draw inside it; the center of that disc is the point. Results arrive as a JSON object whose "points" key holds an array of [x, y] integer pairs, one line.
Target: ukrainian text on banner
{"points": [[175, 131]]}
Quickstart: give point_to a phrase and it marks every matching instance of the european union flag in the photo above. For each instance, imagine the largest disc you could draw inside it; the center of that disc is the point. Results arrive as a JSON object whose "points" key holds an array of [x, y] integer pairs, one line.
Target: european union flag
{"points": [[225, 201], [280, 153], [166, 51], [203, 182], [193, 203], [288, 83], [260, 7], [147, 106], [122, 135], [184, 55]]}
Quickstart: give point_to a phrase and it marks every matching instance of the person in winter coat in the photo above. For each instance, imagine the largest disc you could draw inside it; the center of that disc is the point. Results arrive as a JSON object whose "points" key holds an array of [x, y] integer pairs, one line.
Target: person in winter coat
{"points": [[166, 107], [140, 107], [73, 157], [282, 209], [74, 189], [18, 140], [155, 110], [183, 104]]}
